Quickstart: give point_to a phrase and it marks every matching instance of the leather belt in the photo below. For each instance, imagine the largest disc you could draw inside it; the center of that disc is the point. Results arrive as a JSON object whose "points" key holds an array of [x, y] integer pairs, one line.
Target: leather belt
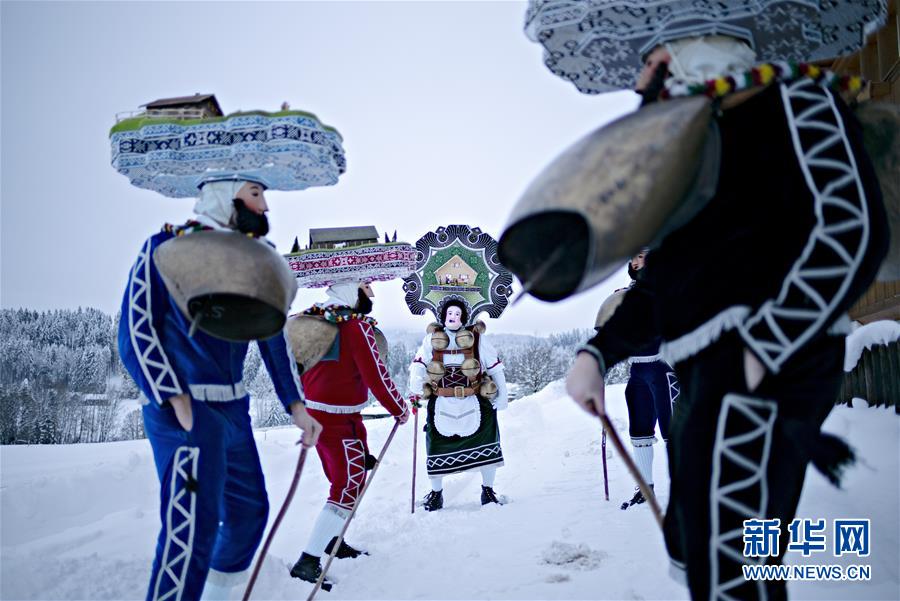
{"points": [[456, 391]]}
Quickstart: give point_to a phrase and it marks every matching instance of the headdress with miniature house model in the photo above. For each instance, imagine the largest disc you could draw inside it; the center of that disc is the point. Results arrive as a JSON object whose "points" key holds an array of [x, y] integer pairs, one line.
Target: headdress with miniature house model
{"points": [[458, 263], [176, 145], [349, 254]]}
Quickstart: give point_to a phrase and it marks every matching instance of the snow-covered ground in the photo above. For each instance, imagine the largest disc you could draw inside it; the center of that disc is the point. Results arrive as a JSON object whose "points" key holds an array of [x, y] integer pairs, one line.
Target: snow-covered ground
{"points": [[80, 521]]}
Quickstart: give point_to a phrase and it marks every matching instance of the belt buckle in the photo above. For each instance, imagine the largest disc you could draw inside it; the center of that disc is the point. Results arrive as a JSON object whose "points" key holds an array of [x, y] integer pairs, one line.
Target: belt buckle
{"points": [[459, 392]]}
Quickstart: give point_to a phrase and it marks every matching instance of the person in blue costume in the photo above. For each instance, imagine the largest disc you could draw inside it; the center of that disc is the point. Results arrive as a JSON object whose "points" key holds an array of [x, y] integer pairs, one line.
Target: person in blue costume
{"points": [[650, 396], [213, 502]]}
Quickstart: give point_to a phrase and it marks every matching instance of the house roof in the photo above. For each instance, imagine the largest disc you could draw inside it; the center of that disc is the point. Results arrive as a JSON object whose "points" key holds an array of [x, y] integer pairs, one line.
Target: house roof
{"points": [[465, 267], [195, 99], [342, 234]]}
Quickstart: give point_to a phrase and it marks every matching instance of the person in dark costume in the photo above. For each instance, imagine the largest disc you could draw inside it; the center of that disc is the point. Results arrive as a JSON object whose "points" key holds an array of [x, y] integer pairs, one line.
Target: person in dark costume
{"points": [[650, 397], [464, 386], [750, 297]]}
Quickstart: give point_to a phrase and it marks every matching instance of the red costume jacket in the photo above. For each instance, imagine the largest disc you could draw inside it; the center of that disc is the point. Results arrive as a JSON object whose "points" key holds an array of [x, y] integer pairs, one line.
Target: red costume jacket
{"points": [[340, 384]]}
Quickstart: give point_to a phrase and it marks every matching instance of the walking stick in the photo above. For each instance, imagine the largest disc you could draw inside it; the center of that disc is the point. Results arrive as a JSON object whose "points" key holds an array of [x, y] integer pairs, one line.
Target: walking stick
{"points": [[629, 463], [284, 506], [605, 476], [340, 538], [415, 410]]}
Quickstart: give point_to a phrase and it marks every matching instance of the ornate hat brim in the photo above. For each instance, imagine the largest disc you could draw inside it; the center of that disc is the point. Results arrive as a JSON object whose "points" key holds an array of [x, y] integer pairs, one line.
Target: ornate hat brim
{"points": [[319, 268], [598, 44], [290, 150]]}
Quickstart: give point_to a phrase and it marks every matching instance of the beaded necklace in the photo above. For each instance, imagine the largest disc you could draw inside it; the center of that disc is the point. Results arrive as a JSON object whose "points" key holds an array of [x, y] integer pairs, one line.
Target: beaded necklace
{"points": [[761, 75], [339, 314]]}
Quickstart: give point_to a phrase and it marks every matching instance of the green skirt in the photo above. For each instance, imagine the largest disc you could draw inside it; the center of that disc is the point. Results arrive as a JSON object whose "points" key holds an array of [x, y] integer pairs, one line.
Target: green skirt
{"points": [[452, 454]]}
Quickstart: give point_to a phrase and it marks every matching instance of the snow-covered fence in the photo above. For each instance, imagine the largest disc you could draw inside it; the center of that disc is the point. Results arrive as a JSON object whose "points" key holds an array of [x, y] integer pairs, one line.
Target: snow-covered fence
{"points": [[876, 377], [872, 365]]}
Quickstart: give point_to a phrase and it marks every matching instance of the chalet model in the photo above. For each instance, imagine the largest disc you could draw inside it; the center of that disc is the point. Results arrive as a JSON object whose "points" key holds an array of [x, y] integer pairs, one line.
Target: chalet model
{"points": [[198, 106]]}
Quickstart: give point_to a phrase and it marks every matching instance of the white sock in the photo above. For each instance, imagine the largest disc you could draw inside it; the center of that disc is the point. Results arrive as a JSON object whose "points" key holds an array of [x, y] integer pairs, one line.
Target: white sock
{"points": [[643, 457], [437, 483], [487, 475], [219, 586], [214, 592], [328, 525]]}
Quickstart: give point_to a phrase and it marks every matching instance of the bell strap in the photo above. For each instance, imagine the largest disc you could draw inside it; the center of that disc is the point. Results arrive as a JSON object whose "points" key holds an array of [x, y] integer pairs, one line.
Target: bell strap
{"points": [[456, 391]]}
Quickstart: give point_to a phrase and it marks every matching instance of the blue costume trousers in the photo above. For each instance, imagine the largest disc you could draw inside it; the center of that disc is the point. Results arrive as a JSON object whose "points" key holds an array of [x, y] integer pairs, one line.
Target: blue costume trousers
{"points": [[650, 395], [213, 503]]}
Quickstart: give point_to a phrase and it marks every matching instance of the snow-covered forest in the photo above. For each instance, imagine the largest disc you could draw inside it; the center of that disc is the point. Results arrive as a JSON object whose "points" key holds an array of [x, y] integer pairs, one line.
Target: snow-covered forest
{"points": [[61, 380]]}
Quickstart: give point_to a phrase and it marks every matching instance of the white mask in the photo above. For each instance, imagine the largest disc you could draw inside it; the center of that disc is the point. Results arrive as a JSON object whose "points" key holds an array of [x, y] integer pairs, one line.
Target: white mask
{"points": [[695, 60], [215, 206]]}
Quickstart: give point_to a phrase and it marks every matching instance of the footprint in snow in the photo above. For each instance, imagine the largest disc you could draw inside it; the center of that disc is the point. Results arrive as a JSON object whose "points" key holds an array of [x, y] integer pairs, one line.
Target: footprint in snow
{"points": [[576, 557]]}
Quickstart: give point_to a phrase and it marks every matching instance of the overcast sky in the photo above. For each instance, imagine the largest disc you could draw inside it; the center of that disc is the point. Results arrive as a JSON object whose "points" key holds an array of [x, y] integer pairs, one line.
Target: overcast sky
{"points": [[446, 111]]}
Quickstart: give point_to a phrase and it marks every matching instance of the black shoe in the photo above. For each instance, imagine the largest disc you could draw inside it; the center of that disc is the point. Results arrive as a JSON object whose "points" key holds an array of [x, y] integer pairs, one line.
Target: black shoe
{"points": [[345, 551], [434, 500], [309, 568], [489, 496], [637, 499]]}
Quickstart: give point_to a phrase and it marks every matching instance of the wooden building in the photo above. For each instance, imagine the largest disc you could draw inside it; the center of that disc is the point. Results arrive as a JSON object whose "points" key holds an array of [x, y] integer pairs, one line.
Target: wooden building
{"points": [[198, 106], [342, 237]]}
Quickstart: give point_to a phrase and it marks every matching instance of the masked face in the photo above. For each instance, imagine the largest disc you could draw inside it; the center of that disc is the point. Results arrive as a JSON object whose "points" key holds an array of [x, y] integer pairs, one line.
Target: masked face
{"points": [[364, 301], [637, 262], [453, 319], [250, 210], [660, 55]]}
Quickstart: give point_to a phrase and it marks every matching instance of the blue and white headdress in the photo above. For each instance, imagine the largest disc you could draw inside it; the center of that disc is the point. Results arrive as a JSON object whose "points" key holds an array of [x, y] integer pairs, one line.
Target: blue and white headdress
{"points": [[598, 45], [288, 150]]}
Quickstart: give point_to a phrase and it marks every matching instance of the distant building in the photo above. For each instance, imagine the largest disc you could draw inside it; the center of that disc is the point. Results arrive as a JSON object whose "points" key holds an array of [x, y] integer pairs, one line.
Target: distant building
{"points": [[342, 237], [198, 106]]}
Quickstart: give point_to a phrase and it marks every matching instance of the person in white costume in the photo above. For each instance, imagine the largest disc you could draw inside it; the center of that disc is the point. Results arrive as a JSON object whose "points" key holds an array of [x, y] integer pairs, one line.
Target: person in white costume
{"points": [[460, 375]]}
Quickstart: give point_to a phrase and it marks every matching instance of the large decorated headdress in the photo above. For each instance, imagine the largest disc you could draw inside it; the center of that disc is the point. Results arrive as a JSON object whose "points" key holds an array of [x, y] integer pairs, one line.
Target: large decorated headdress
{"points": [[458, 263], [179, 144], [598, 44], [349, 254]]}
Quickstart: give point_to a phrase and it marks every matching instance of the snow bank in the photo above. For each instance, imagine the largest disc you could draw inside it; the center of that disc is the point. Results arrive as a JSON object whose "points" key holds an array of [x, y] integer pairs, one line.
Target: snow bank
{"points": [[80, 521], [867, 336]]}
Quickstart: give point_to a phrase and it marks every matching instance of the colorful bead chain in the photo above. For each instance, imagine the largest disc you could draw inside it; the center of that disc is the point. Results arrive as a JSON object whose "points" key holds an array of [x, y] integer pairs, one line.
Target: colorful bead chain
{"points": [[339, 314], [762, 75]]}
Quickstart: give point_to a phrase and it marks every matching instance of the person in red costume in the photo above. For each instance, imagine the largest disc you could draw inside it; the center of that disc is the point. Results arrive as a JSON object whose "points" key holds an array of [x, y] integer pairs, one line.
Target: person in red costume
{"points": [[337, 389]]}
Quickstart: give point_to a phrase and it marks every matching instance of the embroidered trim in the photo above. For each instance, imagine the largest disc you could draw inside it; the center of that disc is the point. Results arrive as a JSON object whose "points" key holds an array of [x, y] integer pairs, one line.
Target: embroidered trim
{"points": [[449, 460], [336, 409], [643, 441], [732, 492], [693, 342], [176, 556], [355, 455], [295, 375], [369, 334], [647, 358], [835, 184], [146, 343], [218, 392]]}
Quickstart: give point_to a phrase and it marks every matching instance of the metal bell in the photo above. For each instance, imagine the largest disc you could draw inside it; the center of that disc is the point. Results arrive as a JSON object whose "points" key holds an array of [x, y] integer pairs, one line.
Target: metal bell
{"points": [[435, 371], [440, 340], [465, 339], [471, 367]]}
